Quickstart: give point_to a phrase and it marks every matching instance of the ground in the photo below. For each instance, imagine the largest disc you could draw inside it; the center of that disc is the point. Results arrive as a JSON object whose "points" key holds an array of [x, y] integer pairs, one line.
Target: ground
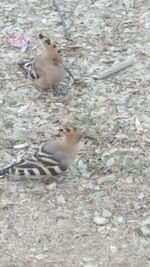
{"points": [[99, 213]]}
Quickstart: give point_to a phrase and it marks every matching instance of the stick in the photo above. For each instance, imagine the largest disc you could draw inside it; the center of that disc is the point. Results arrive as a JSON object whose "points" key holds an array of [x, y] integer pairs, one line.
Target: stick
{"points": [[118, 67], [66, 32], [69, 72]]}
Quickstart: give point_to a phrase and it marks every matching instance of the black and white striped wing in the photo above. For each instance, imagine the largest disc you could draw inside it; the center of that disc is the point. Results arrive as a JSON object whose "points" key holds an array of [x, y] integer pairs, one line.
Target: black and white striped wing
{"points": [[48, 160]]}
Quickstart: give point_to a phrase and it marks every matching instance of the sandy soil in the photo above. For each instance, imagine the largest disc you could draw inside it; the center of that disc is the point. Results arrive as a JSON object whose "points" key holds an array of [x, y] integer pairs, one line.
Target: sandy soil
{"points": [[99, 214]]}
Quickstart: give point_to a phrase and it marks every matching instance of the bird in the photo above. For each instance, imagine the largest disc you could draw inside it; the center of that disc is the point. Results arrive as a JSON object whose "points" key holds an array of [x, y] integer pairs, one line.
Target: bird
{"points": [[52, 158], [47, 69]]}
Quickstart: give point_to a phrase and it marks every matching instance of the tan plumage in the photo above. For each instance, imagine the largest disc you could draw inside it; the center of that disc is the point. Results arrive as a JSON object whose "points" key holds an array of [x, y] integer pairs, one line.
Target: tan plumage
{"points": [[47, 69], [52, 158]]}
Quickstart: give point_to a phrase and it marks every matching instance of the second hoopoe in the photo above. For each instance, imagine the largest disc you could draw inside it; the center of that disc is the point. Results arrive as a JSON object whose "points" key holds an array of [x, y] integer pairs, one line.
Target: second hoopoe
{"points": [[51, 159], [46, 69]]}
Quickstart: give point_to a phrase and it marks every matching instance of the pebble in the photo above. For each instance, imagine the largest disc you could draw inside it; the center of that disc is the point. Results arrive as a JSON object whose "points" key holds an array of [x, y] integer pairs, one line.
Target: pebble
{"points": [[60, 199], [145, 228], [120, 219], [88, 259], [141, 196], [40, 257], [106, 213], [107, 178], [129, 180], [51, 186], [100, 220], [145, 231], [44, 20], [146, 222], [113, 248], [21, 146], [110, 162]]}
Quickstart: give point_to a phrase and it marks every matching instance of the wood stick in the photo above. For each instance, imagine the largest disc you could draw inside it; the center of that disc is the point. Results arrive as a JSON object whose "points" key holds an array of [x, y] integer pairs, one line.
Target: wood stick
{"points": [[118, 67], [65, 29], [69, 72]]}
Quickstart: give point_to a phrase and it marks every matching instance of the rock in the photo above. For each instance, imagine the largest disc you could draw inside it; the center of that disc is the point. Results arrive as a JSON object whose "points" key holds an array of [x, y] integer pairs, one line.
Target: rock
{"points": [[100, 220], [145, 231], [21, 146], [120, 219], [145, 228], [113, 248], [110, 162], [89, 262], [60, 199], [129, 180], [146, 222], [44, 20], [106, 213], [141, 196], [40, 257], [106, 178], [51, 186]]}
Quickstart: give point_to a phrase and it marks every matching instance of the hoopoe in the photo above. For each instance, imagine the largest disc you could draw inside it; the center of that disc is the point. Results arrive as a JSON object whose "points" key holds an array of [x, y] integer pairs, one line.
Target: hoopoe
{"points": [[46, 69], [52, 158]]}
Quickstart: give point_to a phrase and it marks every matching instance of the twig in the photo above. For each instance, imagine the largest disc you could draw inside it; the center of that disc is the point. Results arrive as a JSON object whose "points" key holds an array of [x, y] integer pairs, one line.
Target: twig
{"points": [[65, 29], [118, 67], [69, 72]]}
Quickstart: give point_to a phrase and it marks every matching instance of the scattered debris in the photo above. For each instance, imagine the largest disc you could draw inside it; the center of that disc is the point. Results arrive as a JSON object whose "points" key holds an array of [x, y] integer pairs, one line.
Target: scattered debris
{"points": [[138, 126], [20, 42], [65, 29], [106, 213], [21, 146], [100, 220], [118, 67]]}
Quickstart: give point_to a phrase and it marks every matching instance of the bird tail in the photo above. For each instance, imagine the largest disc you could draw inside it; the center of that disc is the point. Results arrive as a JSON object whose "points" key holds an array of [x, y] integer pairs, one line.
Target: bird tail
{"points": [[32, 167], [10, 169]]}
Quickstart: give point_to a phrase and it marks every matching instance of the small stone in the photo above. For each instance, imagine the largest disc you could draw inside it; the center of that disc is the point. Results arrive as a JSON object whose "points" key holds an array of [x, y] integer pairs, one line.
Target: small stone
{"points": [[110, 162], [145, 231], [107, 178], [88, 259], [90, 265], [21, 146], [129, 180], [141, 196], [44, 20], [120, 219], [60, 223], [147, 77], [113, 248], [40, 257], [61, 200], [100, 220], [106, 213], [146, 222], [51, 186]]}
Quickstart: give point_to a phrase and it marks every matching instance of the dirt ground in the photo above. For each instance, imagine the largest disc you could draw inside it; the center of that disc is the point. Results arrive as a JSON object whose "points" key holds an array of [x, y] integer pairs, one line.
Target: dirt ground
{"points": [[99, 213]]}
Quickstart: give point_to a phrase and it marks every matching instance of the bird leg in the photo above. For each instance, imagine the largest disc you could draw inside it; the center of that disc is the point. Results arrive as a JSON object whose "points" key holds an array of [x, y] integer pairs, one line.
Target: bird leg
{"points": [[56, 90]]}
